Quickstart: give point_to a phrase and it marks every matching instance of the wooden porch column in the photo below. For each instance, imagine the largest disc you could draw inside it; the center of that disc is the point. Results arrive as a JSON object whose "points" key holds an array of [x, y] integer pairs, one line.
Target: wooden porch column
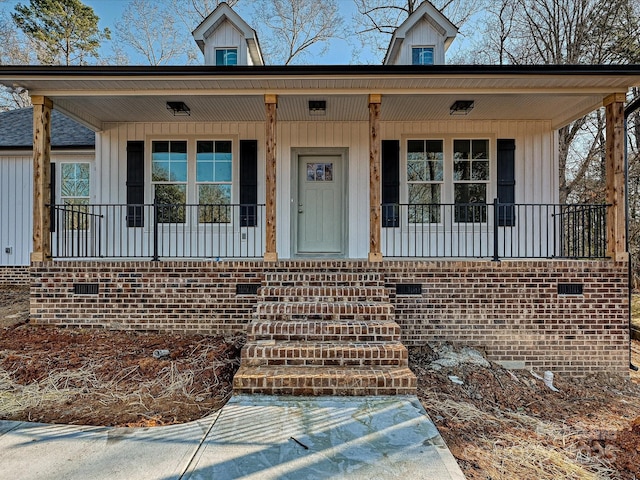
{"points": [[375, 225], [271, 253], [41, 178], [615, 188]]}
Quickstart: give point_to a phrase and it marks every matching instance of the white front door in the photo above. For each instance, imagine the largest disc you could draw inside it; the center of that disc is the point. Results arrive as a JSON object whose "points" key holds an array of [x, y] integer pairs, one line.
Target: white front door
{"points": [[320, 209]]}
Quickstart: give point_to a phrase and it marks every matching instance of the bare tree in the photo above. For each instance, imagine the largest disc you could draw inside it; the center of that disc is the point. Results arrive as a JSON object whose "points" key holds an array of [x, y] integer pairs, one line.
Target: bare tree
{"points": [[289, 28], [376, 20], [15, 49], [149, 28]]}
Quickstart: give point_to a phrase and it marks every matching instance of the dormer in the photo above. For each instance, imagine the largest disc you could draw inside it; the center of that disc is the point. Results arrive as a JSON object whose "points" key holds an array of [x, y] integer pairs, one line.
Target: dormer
{"points": [[226, 39], [422, 39]]}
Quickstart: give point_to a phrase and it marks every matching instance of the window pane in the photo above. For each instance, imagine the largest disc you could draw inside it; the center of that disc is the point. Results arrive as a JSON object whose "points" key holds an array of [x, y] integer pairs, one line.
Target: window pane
{"points": [[171, 200], [75, 180], [461, 170], [424, 193], [461, 149], [214, 203], [179, 147], [204, 147], [204, 171], [178, 171], [480, 149], [160, 171], [76, 214], [422, 56], [424, 203], [480, 170], [160, 147], [226, 56], [415, 146], [470, 192], [223, 171], [415, 171], [169, 161], [223, 147]]}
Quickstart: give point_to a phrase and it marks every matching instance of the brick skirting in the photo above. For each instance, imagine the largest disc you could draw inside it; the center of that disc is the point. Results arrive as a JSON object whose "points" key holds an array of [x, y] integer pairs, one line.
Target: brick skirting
{"points": [[11, 275], [511, 309]]}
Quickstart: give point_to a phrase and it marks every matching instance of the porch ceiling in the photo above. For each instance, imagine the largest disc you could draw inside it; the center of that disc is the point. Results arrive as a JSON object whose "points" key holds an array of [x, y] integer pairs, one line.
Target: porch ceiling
{"points": [[97, 110], [95, 95]]}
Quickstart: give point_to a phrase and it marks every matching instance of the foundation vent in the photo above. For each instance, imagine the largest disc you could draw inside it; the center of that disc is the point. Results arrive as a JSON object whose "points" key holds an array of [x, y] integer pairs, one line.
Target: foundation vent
{"points": [[408, 289], [570, 289], [85, 288]]}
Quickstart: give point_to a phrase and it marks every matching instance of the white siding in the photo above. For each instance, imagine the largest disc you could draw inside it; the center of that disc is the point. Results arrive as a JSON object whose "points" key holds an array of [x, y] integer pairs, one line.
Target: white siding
{"points": [[421, 35], [15, 209], [536, 160], [226, 36], [16, 200]]}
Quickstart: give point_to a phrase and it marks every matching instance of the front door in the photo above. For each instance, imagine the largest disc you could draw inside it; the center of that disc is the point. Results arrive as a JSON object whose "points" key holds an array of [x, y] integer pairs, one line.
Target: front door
{"points": [[320, 208]]}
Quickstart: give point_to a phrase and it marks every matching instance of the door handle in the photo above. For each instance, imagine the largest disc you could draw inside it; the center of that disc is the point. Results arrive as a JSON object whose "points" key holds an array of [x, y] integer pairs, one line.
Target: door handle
{"points": [[300, 208]]}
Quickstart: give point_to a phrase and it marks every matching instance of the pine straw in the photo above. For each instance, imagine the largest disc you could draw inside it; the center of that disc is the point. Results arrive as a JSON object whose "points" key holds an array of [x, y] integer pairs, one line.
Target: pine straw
{"points": [[516, 457], [529, 448], [130, 388]]}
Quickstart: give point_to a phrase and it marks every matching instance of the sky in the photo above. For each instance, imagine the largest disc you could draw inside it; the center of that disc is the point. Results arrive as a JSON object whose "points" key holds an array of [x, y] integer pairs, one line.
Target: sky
{"points": [[339, 52]]}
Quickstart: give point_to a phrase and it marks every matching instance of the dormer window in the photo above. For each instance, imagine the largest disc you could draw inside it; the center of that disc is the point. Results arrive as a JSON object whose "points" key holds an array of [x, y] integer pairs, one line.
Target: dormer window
{"points": [[422, 56], [226, 56]]}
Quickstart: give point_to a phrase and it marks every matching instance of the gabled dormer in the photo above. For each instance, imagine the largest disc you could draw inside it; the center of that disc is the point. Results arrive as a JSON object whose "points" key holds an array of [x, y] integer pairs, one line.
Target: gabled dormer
{"points": [[422, 39], [226, 39]]}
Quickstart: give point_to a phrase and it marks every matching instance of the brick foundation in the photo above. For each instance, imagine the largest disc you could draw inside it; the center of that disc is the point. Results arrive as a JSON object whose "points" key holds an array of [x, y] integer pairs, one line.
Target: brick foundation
{"points": [[12, 275], [511, 309]]}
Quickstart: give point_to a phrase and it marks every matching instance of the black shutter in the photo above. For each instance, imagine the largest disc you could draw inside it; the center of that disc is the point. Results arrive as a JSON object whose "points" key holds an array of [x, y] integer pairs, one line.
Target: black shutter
{"points": [[52, 199], [390, 183], [135, 183], [248, 183], [506, 182]]}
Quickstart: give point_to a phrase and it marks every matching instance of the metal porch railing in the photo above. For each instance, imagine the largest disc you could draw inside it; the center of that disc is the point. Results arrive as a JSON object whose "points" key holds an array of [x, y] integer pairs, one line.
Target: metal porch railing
{"points": [[157, 231], [497, 231]]}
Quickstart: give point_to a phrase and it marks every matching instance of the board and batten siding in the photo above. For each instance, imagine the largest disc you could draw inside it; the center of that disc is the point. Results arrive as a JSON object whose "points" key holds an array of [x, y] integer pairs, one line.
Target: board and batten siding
{"points": [[536, 160], [421, 35], [16, 216], [226, 36]]}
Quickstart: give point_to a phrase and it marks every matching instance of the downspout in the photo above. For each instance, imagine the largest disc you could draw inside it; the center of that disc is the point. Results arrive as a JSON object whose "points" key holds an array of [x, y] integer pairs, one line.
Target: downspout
{"points": [[629, 109]]}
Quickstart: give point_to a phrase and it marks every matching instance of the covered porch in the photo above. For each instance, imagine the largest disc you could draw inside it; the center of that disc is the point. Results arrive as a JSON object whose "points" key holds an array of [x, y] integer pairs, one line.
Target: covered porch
{"points": [[377, 218]]}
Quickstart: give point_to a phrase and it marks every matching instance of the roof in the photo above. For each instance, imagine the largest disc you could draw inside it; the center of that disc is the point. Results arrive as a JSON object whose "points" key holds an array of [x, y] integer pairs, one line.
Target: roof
{"points": [[95, 95], [223, 12], [435, 18], [16, 131]]}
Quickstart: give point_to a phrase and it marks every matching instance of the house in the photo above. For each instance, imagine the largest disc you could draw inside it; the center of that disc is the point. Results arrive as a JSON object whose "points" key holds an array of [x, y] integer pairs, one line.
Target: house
{"points": [[386, 205], [72, 149]]}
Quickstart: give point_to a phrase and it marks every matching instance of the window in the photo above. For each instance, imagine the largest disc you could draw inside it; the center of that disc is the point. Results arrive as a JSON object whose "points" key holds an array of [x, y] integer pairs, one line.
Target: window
{"points": [[213, 179], [470, 179], [192, 180], [226, 56], [74, 193], [169, 178], [424, 178], [442, 172], [422, 56]]}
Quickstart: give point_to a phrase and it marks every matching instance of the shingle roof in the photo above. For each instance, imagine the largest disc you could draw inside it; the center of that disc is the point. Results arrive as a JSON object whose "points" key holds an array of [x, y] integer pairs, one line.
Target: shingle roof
{"points": [[16, 131]]}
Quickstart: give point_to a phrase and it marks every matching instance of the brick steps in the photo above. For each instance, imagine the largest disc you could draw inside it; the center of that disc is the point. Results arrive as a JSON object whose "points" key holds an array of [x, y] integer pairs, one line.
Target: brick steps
{"points": [[324, 333], [323, 279], [323, 310], [325, 381], [324, 330], [270, 352], [335, 293]]}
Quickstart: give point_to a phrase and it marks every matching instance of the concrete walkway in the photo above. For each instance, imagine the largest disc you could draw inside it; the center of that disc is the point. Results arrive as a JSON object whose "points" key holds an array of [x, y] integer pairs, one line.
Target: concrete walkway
{"points": [[252, 437]]}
